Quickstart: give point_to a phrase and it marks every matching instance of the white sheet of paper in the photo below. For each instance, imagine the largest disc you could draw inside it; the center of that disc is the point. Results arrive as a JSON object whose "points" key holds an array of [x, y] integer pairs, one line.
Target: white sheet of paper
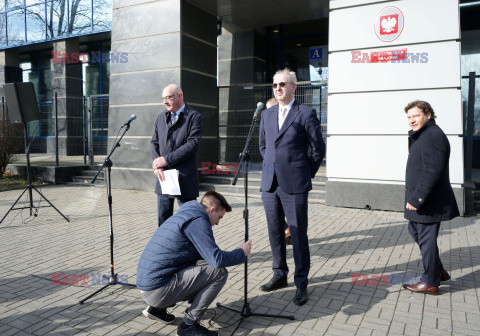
{"points": [[170, 186]]}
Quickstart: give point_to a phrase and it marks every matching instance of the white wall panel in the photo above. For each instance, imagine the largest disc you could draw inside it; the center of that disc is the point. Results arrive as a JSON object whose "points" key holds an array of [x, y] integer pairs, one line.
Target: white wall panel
{"points": [[380, 157], [336, 4], [424, 21], [441, 70], [382, 112]]}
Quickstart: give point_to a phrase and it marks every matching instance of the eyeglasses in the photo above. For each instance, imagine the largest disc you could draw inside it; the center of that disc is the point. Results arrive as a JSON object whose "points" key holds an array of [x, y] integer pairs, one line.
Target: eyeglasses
{"points": [[168, 97], [281, 84]]}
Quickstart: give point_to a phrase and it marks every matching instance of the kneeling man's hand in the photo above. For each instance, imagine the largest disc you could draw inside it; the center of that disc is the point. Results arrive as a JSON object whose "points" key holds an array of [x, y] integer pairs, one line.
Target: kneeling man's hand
{"points": [[246, 247]]}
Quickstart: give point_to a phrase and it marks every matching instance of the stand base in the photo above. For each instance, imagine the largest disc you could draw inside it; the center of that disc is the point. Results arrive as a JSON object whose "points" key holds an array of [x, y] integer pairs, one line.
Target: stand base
{"points": [[247, 312], [29, 188], [113, 280]]}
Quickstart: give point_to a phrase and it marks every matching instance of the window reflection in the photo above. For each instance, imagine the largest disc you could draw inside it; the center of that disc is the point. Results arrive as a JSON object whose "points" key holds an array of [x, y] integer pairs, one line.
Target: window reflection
{"points": [[102, 15], [48, 19], [14, 4], [80, 19], [3, 27], [16, 27], [36, 22]]}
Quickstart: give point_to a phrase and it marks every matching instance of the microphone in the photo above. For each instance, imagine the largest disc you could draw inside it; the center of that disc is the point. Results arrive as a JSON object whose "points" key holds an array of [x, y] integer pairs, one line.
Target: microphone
{"points": [[259, 108], [132, 118]]}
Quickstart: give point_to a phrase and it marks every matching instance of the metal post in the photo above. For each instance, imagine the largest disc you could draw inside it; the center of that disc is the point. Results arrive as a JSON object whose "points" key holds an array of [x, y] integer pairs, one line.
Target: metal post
{"points": [[56, 129], [90, 131], [470, 126], [84, 135], [4, 115]]}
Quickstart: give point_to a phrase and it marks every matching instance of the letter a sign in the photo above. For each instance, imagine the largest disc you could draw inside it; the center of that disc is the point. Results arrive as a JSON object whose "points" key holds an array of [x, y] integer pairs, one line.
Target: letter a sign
{"points": [[315, 55]]}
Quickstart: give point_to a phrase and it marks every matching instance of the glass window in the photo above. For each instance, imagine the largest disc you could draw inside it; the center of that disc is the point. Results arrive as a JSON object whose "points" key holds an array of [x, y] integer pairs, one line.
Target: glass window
{"points": [[80, 16], [3, 30], [102, 15], [33, 2], [16, 27], [57, 18], [36, 23], [15, 4], [470, 62], [2, 6]]}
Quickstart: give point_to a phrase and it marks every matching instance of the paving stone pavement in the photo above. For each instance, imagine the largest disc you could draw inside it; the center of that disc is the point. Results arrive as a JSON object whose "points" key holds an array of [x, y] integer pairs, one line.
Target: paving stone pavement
{"points": [[37, 252]]}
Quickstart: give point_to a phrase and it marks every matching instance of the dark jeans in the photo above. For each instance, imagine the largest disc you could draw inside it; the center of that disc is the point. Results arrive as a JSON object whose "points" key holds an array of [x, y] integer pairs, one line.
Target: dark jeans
{"points": [[425, 235], [165, 206]]}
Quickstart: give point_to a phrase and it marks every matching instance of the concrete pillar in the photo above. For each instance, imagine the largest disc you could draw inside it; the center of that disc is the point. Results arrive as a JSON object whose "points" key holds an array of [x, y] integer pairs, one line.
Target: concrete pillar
{"points": [[9, 69], [167, 42], [67, 83]]}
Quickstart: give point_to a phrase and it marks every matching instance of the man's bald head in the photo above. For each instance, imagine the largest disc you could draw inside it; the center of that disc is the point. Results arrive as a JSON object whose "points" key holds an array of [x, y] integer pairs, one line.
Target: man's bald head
{"points": [[172, 96]]}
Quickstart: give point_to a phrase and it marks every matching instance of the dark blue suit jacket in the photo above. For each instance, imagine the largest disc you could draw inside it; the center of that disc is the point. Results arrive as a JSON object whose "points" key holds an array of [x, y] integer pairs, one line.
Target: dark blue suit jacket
{"points": [[285, 152], [179, 145], [427, 176]]}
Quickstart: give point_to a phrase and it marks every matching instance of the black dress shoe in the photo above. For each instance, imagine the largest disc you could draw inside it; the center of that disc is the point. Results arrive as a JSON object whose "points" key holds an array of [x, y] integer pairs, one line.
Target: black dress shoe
{"points": [[444, 276], [274, 283], [301, 297]]}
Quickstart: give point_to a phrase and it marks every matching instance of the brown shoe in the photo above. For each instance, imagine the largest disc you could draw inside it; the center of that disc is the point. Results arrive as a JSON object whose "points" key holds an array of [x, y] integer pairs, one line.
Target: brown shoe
{"points": [[421, 287], [444, 276], [289, 240]]}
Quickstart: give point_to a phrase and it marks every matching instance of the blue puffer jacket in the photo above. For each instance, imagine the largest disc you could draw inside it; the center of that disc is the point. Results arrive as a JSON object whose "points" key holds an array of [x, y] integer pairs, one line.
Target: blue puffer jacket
{"points": [[168, 251], [179, 242]]}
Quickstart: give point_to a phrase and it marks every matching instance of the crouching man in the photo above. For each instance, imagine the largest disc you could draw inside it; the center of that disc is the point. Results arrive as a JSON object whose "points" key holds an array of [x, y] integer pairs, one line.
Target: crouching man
{"points": [[167, 271]]}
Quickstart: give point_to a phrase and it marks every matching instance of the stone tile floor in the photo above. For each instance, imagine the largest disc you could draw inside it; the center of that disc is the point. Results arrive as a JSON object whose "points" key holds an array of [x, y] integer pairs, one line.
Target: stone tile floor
{"points": [[37, 251]]}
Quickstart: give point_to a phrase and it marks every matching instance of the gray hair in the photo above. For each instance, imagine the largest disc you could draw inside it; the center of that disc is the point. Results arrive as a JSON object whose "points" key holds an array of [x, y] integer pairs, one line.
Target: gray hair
{"points": [[287, 72]]}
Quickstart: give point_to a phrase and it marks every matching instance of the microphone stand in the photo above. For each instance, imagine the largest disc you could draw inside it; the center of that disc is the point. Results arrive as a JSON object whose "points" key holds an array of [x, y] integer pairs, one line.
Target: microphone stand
{"points": [[246, 311], [113, 279], [30, 187]]}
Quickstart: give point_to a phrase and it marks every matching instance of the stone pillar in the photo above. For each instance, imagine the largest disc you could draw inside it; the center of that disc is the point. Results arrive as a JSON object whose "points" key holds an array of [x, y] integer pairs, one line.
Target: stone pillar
{"points": [[167, 42], [67, 83], [9, 70]]}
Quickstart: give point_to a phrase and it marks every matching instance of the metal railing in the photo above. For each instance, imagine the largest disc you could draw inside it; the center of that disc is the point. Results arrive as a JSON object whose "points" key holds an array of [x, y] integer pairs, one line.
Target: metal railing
{"points": [[80, 132], [237, 104]]}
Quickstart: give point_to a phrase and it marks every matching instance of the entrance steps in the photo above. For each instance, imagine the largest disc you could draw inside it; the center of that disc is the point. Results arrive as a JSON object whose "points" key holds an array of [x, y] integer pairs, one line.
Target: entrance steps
{"points": [[85, 177], [223, 184]]}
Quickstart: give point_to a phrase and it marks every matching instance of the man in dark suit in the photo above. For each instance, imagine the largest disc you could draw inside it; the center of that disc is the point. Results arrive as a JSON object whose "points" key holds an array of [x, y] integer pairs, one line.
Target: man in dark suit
{"points": [[174, 145], [429, 197], [287, 132]]}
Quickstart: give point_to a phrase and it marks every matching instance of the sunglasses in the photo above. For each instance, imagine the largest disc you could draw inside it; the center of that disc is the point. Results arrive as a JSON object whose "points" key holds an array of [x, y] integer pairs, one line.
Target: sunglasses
{"points": [[281, 84]]}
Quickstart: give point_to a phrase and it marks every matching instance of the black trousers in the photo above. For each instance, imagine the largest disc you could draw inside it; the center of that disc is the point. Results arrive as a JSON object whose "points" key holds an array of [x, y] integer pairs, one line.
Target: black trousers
{"points": [[278, 205], [425, 235]]}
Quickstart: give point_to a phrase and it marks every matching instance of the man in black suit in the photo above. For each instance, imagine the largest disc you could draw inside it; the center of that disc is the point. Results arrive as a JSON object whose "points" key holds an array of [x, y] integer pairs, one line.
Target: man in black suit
{"points": [[292, 148], [174, 145], [429, 197]]}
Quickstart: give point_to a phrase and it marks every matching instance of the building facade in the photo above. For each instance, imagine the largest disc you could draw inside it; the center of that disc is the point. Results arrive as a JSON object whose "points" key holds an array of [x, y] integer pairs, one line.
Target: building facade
{"points": [[367, 59]]}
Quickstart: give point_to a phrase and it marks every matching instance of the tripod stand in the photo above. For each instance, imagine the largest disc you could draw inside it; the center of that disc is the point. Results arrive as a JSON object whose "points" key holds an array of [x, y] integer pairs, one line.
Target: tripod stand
{"points": [[30, 187], [246, 312], [113, 278]]}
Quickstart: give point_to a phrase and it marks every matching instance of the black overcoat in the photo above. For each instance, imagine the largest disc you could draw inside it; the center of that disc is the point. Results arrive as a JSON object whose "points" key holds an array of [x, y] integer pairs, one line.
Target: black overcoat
{"points": [[427, 176], [178, 144]]}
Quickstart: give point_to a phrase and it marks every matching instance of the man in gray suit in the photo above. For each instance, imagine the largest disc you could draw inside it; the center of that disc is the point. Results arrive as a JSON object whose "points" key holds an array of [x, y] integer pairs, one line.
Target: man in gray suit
{"points": [[174, 145]]}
